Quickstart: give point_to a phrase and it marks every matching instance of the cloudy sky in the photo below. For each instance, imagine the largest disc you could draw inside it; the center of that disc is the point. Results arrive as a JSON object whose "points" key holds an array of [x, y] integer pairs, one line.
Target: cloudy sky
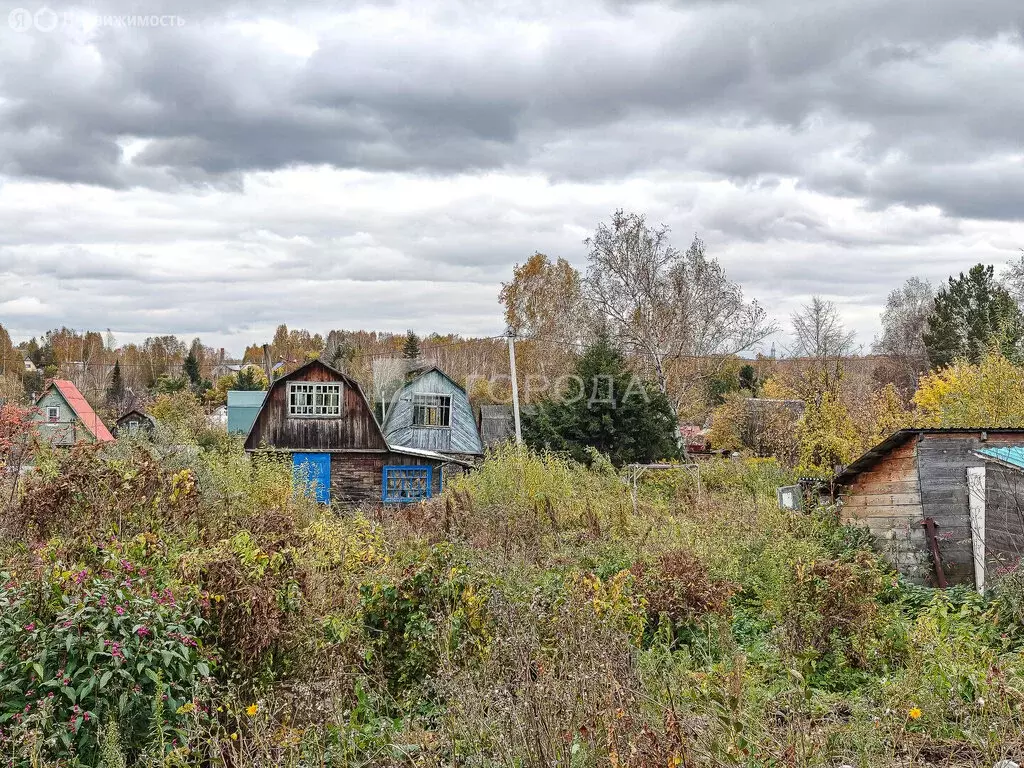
{"points": [[384, 164]]}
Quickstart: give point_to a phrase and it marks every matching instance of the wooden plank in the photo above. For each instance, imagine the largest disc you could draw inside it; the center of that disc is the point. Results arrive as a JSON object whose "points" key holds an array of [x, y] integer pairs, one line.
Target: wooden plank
{"points": [[884, 500], [887, 486]]}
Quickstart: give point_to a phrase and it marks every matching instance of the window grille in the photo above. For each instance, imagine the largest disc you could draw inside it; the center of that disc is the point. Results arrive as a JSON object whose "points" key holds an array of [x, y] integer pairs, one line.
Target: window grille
{"points": [[404, 484], [53, 413], [313, 400], [432, 410]]}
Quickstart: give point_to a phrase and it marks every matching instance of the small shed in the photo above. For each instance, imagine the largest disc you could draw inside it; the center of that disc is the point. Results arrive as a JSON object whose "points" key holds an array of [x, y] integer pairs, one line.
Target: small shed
{"points": [[134, 422], [321, 418], [997, 512], [496, 425], [243, 408], [912, 491], [64, 416], [432, 413]]}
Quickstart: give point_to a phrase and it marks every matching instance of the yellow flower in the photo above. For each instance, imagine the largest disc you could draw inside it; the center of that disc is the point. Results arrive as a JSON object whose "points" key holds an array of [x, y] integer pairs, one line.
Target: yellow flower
{"points": [[914, 713], [251, 710], [234, 736]]}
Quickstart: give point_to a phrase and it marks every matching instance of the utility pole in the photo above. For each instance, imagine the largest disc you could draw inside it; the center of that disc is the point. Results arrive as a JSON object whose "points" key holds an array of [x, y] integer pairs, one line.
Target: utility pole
{"points": [[268, 366], [515, 385]]}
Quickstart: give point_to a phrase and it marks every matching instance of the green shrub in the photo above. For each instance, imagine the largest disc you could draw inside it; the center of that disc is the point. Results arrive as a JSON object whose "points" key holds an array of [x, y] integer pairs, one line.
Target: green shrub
{"points": [[78, 651]]}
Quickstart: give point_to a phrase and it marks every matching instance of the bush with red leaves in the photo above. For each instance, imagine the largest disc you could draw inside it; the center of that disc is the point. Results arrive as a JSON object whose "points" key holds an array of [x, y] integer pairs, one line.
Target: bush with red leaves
{"points": [[677, 584]]}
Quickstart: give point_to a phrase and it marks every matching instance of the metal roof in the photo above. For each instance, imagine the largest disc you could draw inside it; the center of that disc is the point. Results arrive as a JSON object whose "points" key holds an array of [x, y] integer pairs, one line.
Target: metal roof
{"points": [[407, 451], [896, 439], [1011, 455], [77, 402], [243, 408], [462, 436]]}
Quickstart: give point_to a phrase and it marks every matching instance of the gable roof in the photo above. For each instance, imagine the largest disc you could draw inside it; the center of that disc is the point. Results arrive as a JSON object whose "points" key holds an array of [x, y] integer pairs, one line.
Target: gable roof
{"points": [[349, 382], [135, 412], [1010, 455], [81, 408], [873, 455]]}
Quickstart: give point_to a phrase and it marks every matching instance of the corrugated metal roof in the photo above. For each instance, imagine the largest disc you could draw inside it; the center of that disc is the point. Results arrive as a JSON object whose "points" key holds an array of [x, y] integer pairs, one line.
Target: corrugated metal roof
{"points": [[77, 402], [1012, 455], [407, 451]]}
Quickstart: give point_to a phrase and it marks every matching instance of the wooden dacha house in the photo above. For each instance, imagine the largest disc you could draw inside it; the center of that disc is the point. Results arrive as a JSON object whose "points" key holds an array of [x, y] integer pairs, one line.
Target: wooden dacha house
{"points": [[321, 417]]}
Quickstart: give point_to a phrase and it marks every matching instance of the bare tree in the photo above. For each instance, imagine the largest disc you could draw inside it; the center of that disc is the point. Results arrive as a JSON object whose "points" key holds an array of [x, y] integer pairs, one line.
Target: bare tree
{"points": [[1013, 280], [677, 312], [822, 341], [904, 322]]}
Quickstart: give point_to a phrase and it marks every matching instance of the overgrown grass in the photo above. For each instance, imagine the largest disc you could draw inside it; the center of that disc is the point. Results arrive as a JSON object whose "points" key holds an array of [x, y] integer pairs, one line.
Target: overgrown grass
{"points": [[541, 613]]}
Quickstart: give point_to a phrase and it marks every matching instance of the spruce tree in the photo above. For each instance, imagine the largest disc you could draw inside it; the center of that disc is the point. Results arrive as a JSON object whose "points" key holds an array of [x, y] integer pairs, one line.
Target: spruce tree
{"points": [[607, 409], [972, 314], [115, 390], [411, 346], [191, 369]]}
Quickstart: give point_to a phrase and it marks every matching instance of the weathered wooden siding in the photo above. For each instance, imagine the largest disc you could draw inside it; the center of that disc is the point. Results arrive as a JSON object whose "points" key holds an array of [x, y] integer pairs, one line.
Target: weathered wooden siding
{"points": [[356, 429], [357, 478], [462, 437], [1004, 520], [887, 500], [943, 460]]}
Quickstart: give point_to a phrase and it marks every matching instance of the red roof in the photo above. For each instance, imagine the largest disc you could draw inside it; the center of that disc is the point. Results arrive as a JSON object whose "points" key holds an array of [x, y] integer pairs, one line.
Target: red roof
{"points": [[83, 410]]}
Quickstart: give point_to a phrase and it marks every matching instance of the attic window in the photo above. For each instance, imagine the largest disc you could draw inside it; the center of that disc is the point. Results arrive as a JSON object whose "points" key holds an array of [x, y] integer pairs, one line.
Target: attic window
{"points": [[53, 413], [312, 400], [432, 410]]}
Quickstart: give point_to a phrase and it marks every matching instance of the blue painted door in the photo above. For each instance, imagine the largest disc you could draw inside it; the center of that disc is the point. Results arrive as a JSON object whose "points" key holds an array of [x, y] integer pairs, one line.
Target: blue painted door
{"points": [[314, 470]]}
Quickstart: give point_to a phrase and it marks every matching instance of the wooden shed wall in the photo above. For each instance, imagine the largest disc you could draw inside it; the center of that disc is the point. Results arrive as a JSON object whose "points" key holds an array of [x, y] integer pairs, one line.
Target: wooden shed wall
{"points": [[887, 500], [357, 429], [943, 459], [1004, 520], [357, 478]]}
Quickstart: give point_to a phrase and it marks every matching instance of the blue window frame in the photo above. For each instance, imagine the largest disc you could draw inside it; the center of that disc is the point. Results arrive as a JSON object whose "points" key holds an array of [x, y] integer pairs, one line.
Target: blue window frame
{"points": [[405, 484], [313, 474]]}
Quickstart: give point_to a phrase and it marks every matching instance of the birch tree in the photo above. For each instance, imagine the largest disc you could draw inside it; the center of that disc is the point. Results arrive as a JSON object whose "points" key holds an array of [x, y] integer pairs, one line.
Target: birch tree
{"points": [[676, 312], [820, 341]]}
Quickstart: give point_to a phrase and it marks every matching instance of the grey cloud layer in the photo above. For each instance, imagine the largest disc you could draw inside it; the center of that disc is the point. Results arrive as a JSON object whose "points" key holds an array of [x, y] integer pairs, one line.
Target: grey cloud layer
{"points": [[383, 164], [888, 101]]}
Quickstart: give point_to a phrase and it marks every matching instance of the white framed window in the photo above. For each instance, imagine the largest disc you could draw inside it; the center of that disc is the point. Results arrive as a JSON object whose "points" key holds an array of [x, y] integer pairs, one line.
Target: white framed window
{"points": [[133, 427], [430, 410], [53, 413], [314, 400]]}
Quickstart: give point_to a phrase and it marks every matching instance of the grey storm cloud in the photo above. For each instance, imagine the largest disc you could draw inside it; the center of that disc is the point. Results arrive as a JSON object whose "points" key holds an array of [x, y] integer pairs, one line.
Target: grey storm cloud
{"points": [[387, 162], [743, 90]]}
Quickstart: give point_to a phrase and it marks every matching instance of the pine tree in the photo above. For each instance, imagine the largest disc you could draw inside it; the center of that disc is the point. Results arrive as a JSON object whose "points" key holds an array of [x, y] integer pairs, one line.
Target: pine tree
{"points": [[191, 369], [972, 313], [411, 347], [115, 390], [748, 379], [609, 410]]}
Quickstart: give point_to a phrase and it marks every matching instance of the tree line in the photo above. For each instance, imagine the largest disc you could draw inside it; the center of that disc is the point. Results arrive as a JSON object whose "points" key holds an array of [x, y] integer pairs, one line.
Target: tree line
{"points": [[669, 316]]}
